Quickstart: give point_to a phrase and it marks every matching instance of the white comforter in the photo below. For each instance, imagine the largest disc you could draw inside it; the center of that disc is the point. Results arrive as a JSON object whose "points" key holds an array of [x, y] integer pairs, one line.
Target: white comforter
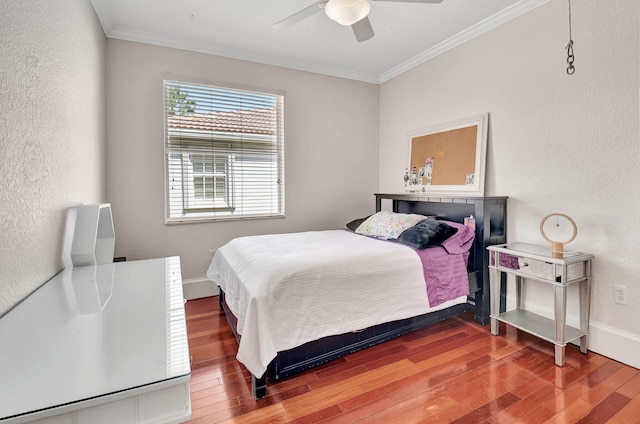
{"points": [[289, 289]]}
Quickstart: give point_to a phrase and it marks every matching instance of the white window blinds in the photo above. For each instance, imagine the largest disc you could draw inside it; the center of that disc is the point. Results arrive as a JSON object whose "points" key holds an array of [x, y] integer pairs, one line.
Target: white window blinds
{"points": [[224, 153]]}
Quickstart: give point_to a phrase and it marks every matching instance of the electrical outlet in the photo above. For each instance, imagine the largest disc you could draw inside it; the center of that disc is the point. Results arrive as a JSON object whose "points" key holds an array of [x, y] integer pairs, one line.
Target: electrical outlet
{"points": [[620, 294]]}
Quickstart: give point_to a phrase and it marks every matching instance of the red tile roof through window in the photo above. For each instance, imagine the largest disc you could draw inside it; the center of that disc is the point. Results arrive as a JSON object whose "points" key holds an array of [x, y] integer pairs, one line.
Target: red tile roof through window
{"points": [[256, 121]]}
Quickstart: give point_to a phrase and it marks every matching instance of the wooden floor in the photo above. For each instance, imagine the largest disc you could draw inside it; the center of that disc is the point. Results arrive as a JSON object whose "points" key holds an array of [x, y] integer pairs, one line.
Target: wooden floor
{"points": [[454, 371]]}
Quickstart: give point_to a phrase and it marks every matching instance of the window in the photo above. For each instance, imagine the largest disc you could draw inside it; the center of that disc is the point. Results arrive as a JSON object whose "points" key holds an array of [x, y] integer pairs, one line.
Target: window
{"points": [[224, 153]]}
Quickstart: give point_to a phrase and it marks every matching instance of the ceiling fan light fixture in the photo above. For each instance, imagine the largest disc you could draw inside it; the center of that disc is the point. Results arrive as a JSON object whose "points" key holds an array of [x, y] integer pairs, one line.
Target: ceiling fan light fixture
{"points": [[347, 12]]}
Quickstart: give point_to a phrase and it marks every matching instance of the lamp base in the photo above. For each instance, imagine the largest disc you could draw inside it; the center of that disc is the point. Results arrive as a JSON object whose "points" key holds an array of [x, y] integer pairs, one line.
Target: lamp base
{"points": [[557, 250]]}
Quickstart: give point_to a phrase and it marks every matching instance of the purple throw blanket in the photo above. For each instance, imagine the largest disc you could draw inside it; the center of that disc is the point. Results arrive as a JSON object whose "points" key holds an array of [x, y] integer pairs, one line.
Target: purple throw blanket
{"points": [[445, 267]]}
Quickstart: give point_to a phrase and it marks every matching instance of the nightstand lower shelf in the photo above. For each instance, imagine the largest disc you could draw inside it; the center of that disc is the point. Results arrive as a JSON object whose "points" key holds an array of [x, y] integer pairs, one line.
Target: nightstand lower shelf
{"points": [[538, 325], [541, 327]]}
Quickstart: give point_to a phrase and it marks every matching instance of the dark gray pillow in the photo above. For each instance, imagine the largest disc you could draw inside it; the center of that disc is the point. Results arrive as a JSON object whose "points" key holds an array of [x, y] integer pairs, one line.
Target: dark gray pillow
{"points": [[427, 233], [353, 225]]}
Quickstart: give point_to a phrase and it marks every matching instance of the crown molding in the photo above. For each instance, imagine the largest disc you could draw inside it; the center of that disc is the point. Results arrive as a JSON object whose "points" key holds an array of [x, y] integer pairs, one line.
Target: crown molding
{"points": [[126, 34], [476, 30]]}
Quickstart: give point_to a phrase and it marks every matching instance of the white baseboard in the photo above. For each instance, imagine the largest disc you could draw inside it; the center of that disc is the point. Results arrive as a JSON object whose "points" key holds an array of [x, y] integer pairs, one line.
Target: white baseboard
{"points": [[616, 344], [196, 288]]}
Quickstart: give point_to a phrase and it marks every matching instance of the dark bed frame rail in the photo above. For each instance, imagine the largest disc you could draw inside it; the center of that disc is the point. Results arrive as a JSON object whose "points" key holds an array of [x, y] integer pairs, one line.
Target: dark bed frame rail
{"points": [[491, 218], [314, 353]]}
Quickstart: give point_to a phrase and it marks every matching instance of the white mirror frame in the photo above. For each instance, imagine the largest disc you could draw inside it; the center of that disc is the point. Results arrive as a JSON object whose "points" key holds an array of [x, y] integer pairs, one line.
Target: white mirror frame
{"points": [[477, 186]]}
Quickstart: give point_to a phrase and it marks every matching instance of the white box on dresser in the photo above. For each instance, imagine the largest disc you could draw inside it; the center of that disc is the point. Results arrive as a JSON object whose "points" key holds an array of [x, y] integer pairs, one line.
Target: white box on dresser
{"points": [[93, 236]]}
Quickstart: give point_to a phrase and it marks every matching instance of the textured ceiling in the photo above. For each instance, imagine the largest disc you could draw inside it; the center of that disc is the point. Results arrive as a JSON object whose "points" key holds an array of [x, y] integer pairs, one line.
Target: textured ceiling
{"points": [[406, 34]]}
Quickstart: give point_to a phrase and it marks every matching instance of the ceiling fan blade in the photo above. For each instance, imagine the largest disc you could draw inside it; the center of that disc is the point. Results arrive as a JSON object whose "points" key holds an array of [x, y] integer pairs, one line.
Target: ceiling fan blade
{"points": [[413, 1], [362, 29], [302, 14]]}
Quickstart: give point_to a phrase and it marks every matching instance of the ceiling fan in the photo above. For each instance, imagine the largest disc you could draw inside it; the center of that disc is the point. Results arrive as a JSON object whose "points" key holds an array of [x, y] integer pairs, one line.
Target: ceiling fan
{"points": [[352, 13]]}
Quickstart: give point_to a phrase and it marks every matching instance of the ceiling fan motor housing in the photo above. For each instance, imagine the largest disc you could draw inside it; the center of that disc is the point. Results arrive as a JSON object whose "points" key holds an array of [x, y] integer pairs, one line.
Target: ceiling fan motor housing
{"points": [[347, 12]]}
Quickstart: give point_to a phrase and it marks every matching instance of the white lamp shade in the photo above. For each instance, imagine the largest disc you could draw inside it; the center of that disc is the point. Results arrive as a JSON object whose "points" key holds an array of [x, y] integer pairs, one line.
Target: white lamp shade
{"points": [[347, 12]]}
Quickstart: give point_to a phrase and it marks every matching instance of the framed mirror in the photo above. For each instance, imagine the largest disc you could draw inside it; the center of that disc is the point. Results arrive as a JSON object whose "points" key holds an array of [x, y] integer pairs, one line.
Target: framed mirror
{"points": [[448, 158]]}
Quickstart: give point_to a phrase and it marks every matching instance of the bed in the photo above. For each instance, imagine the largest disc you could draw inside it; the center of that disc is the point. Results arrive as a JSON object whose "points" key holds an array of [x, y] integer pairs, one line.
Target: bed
{"points": [[340, 291]]}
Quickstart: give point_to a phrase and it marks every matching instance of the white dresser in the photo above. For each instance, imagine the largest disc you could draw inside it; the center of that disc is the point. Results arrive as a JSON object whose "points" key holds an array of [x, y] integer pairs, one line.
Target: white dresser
{"points": [[98, 344]]}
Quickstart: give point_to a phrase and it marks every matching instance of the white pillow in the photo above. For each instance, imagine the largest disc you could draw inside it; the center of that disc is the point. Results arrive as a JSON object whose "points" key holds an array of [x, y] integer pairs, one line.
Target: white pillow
{"points": [[388, 225]]}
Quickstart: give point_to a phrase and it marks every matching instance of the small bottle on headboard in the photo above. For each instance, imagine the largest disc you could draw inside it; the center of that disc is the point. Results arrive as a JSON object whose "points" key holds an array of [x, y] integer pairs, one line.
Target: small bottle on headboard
{"points": [[470, 221]]}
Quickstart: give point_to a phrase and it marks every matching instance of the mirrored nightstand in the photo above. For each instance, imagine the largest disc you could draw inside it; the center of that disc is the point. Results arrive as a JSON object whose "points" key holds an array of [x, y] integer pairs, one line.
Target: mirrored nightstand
{"points": [[560, 270]]}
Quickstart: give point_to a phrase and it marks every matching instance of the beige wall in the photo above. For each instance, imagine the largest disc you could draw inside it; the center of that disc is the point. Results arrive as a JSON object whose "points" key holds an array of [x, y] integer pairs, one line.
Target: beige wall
{"points": [[331, 153], [51, 133], [557, 143]]}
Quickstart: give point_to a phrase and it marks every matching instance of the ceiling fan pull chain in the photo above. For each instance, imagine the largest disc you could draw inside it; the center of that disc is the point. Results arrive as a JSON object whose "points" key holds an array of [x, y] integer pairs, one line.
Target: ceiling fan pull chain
{"points": [[570, 57]]}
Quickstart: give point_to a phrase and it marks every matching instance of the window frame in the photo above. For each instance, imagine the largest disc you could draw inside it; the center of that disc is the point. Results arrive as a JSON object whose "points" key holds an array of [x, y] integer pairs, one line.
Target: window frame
{"points": [[239, 147]]}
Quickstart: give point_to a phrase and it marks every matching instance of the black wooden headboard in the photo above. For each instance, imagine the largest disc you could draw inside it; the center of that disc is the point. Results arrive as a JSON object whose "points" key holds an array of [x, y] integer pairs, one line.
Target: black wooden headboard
{"points": [[490, 214]]}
